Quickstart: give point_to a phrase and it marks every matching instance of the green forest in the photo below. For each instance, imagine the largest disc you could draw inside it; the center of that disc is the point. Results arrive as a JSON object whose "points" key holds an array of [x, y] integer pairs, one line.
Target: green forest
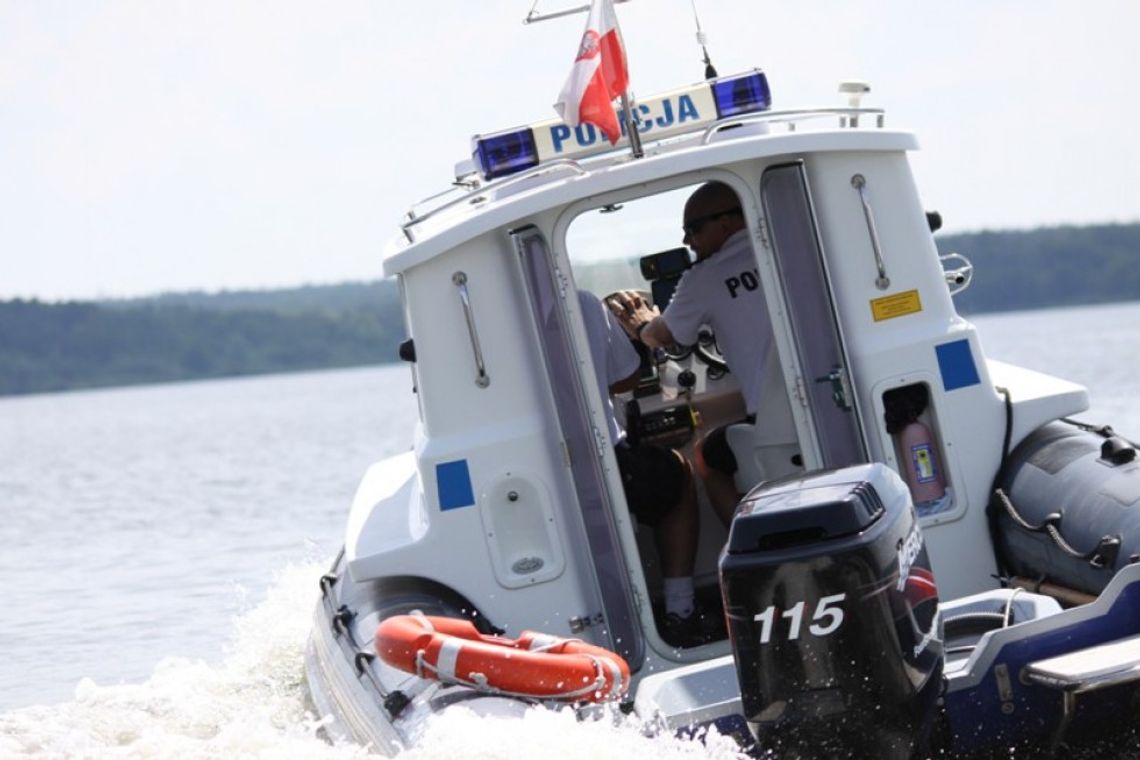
{"points": [[183, 336], [1054, 266], [60, 346]]}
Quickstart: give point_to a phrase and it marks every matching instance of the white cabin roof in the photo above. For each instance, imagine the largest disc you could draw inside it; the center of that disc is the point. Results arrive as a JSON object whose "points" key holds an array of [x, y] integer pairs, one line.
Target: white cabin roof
{"points": [[506, 201]]}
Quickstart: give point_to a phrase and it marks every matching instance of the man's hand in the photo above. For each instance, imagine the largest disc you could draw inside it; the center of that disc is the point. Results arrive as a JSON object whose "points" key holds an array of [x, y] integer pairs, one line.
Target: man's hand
{"points": [[639, 318]]}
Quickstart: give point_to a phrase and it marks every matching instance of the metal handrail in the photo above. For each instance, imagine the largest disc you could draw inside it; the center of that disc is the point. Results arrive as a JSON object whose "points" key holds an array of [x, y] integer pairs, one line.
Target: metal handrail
{"points": [[482, 379], [859, 182], [561, 163], [410, 215], [791, 115]]}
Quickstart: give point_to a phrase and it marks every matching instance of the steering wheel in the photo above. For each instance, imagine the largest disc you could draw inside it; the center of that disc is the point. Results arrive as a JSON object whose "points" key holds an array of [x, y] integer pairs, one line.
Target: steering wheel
{"points": [[709, 353]]}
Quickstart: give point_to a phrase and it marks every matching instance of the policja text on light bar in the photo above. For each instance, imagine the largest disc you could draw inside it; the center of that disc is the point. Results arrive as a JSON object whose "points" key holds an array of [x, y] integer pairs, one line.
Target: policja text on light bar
{"points": [[672, 113]]}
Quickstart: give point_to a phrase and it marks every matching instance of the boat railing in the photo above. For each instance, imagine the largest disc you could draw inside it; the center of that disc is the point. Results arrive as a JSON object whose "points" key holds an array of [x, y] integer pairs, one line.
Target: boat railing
{"points": [[477, 191], [848, 117]]}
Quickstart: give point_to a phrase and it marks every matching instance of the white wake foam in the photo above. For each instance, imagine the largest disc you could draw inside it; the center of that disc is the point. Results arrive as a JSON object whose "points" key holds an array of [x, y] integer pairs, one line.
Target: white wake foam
{"points": [[254, 704], [460, 733]]}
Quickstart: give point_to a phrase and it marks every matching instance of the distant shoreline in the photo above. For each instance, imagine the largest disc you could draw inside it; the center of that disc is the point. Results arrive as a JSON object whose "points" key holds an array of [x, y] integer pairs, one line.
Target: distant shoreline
{"points": [[47, 347]]}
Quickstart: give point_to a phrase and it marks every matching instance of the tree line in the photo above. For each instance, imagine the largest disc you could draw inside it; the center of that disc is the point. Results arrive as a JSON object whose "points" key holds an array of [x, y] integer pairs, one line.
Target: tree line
{"points": [[1050, 266], [62, 346], [183, 336]]}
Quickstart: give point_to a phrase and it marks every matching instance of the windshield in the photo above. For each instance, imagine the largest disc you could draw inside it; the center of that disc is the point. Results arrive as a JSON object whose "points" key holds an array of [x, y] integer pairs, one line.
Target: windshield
{"points": [[606, 244]]}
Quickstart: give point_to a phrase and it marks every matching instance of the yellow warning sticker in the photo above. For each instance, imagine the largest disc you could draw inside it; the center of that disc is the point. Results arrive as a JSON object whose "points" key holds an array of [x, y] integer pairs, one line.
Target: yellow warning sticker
{"points": [[897, 305]]}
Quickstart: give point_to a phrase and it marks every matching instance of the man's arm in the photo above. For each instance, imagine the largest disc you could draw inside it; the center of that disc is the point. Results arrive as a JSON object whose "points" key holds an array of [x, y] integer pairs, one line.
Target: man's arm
{"points": [[655, 333], [628, 384]]}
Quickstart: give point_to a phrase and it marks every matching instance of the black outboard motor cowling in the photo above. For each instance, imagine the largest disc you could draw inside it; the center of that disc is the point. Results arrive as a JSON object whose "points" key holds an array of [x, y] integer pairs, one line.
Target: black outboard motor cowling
{"points": [[833, 615]]}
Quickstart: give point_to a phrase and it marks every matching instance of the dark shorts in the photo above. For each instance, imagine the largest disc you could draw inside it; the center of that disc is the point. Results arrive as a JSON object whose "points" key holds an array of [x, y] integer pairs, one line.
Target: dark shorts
{"points": [[654, 479], [716, 451]]}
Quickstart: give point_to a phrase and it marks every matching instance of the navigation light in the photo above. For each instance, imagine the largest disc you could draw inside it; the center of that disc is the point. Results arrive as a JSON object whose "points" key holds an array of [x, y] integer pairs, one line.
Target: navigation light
{"points": [[503, 153], [744, 94]]}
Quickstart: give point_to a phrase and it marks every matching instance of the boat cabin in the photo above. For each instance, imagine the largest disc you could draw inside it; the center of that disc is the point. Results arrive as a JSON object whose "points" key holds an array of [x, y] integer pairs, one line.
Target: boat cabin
{"points": [[511, 502]]}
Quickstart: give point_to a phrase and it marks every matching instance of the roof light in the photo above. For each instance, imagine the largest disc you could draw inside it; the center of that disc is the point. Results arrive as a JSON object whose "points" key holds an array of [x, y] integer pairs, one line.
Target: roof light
{"points": [[689, 109], [745, 94], [505, 152]]}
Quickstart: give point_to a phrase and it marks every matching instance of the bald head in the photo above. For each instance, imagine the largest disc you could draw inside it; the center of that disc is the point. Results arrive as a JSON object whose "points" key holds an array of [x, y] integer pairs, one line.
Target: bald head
{"points": [[711, 196], [712, 215]]}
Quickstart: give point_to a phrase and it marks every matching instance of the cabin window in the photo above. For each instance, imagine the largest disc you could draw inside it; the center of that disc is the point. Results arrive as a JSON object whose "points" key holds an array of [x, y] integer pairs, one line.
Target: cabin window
{"points": [[607, 243]]}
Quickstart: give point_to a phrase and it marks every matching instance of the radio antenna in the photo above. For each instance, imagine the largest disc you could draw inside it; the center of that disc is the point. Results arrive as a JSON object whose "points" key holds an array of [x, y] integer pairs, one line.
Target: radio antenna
{"points": [[534, 14], [702, 40]]}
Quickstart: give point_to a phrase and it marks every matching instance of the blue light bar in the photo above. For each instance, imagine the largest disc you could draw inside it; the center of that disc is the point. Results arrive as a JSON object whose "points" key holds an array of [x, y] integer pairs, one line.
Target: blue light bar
{"points": [[504, 153], [745, 94], [680, 111]]}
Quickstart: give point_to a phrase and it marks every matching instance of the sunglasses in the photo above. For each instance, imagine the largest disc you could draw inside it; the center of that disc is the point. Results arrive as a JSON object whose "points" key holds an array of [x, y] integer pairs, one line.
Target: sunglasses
{"points": [[696, 224]]}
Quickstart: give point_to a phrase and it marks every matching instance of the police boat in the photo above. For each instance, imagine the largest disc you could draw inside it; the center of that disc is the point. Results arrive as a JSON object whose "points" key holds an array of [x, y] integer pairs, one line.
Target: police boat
{"points": [[930, 555]]}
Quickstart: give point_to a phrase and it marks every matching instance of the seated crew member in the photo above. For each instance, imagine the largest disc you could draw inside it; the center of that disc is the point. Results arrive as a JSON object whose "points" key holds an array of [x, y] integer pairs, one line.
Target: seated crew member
{"points": [[722, 290], [658, 482]]}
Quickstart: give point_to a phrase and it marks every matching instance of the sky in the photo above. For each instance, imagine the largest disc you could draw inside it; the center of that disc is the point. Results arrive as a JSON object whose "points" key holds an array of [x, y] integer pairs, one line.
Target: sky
{"points": [[166, 145]]}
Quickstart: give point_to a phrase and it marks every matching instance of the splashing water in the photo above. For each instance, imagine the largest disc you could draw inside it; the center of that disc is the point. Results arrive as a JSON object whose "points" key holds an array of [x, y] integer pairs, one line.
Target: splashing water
{"points": [[255, 704], [459, 732]]}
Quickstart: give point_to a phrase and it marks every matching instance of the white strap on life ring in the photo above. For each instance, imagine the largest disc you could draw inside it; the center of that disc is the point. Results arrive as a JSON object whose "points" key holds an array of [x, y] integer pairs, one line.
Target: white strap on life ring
{"points": [[615, 673], [448, 659], [423, 620], [543, 642]]}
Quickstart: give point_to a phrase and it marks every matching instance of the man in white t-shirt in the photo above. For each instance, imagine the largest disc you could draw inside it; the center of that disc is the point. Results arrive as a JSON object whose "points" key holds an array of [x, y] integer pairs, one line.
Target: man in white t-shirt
{"points": [[658, 482], [722, 290]]}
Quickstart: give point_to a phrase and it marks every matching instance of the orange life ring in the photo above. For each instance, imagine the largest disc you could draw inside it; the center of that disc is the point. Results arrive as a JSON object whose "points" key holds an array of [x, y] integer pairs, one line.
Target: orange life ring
{"points": [[536, 665]]}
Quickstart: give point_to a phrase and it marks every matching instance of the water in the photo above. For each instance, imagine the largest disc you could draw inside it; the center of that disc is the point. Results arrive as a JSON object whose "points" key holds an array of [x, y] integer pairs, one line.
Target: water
{"points": [[160, 548]]}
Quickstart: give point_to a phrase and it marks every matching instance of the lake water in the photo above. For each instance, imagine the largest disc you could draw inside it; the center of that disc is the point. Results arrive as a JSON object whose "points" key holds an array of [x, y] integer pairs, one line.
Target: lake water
{"points": [[160, 546]]}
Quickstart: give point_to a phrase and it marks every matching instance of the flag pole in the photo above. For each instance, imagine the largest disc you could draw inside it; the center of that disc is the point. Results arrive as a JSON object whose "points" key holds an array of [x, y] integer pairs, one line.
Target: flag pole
{"points": [[631, 127]]}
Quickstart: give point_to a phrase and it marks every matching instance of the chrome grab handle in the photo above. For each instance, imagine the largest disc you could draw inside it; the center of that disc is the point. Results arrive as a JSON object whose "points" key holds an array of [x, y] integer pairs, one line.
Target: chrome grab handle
{"points": [[859, 182], [957, 279], [482, 379]]}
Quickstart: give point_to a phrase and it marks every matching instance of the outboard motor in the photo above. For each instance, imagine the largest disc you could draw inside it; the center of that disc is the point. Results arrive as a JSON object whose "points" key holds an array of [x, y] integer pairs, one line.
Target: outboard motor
{"points": [[833, 615]]}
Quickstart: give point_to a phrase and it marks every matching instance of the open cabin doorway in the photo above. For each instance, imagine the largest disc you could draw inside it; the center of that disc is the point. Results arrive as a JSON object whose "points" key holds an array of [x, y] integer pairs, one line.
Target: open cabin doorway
{"points": [[685, 392]]}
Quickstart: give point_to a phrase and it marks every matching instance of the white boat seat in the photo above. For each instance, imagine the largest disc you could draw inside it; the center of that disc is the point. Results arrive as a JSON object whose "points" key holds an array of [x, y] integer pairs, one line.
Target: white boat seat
{"points": [[758, 460], [768, 448]]}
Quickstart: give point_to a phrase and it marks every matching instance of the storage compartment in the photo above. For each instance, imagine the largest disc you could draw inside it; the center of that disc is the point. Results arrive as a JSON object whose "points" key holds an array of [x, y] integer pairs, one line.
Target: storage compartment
{"points": [[913, 426]]}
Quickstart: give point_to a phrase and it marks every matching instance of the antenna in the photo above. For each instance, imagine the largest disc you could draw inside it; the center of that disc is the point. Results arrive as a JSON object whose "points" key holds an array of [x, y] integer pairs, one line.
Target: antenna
{"points": [[702, 40], [534, 16]]}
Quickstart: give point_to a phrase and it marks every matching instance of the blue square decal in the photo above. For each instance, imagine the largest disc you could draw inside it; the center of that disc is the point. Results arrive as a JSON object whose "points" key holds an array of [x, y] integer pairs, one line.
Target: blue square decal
{"points": [[454, 482], [956, 363]]}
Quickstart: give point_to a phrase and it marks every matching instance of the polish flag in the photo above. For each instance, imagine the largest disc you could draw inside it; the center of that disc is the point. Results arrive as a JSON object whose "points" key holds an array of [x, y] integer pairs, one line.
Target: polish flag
{"points": [[599, 74]]}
